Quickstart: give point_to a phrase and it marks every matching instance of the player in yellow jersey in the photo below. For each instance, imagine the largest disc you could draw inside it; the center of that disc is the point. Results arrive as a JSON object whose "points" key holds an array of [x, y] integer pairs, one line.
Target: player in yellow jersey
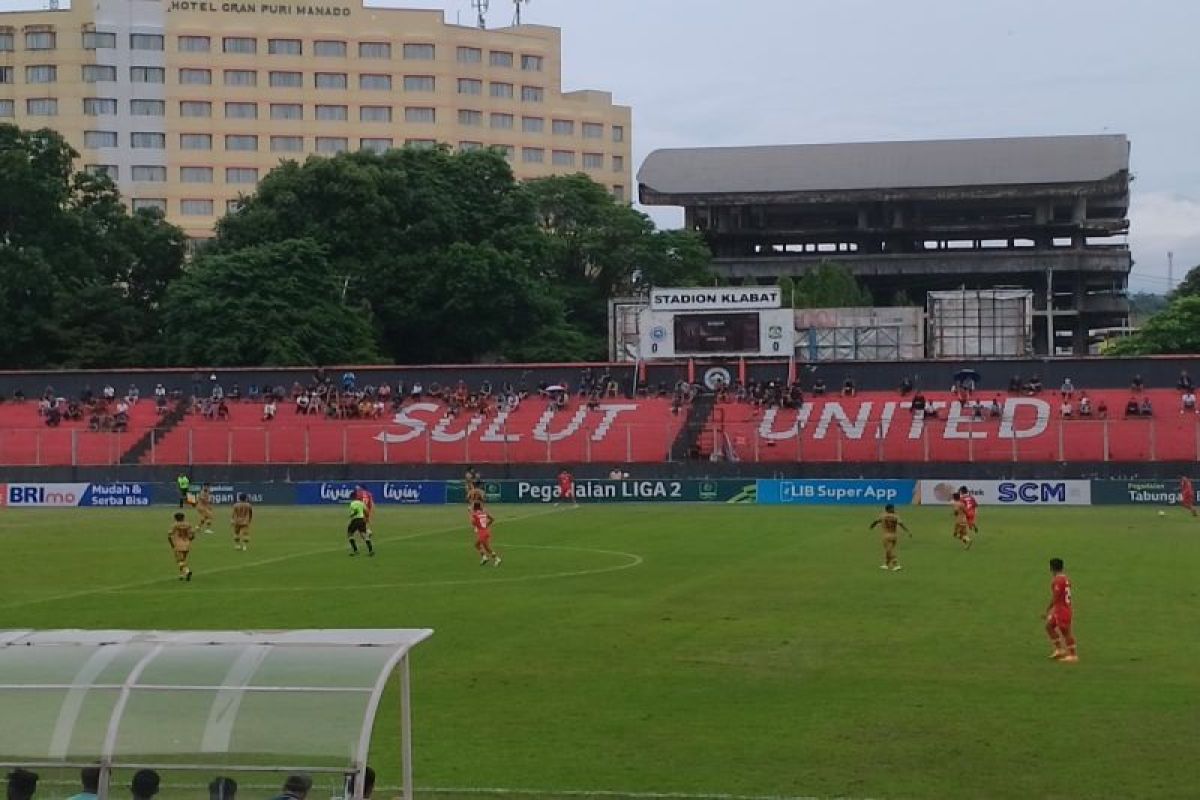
{"points": [[891, 523], [243, 515], [204, 509], [962, 529], [180, 538]]}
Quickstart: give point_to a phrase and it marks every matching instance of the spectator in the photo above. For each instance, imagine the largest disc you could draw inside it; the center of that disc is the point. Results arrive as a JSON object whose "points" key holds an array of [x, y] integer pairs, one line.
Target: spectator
{"points": [[1131, 407], [906, 386], [253, 393], [53, 417], [417, 391], [1066, 408], [1187, 403], [1102, 409], [145, 784], [89, 778], [819, 387], [1147, 410], [848, 389], [160, 405], [918, 405], [296, 787], [302, 403], [1085, 405], [221, 789], [349, 381], [160, 391], [1035, 384], [123, 407], [109, 393], [1185, 382], [269, 410], [22, 784], [1067, 389], [368, 784], [133, 394], [1014, 385], [977, 411], [1137, 386], [235, 393]]}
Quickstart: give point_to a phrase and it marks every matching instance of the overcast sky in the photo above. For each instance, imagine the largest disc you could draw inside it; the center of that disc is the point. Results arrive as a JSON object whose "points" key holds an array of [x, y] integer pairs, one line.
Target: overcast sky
{"points": [[733, 72]]}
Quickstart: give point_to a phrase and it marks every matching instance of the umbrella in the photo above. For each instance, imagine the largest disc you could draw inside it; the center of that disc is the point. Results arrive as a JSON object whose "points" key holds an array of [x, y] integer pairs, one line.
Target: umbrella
{"points": [[964, 375], [556, 388]]}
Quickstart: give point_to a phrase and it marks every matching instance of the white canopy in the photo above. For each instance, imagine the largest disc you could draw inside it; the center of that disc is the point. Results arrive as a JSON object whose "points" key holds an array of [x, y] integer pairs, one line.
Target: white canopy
{"points": [[229, 700]]}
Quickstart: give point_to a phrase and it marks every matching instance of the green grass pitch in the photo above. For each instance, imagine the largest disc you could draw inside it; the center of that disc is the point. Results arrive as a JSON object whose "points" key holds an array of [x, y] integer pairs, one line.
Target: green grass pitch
{"points": [[748, 651]]}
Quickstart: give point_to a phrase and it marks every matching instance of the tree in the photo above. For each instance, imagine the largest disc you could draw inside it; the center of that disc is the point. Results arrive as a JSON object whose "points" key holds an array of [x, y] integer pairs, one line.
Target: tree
{"points": [[274, 304], [1176, 329], [830, 285], [1190, 285]]}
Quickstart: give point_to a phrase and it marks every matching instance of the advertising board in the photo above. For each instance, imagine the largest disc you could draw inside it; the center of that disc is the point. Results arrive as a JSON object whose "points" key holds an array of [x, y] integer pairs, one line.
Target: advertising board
{"points": [[75, 495], [1015, 492], [816, 491], [384, 492]]}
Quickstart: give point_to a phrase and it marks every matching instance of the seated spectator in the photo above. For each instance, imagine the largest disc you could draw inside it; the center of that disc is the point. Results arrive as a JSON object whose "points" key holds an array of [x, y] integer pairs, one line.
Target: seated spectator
{"points": [[120, 422], [1015, 386], [1132, 409], [997, 409], [133, 394], [253, 393], [296, 787], [160, 405], [1147, 410], [1085, 405], [89, 779], [144, 785], [1035, 385], [906, 386], [1185, 382], [22, 784], [208, 409], [297, 389], [235, 393], [417, 391], [1187, 403], [109, 393], [1067, 389], [349, 381], [1066, 408], [53, 417], [160, 391], [977, 411], [218, 392], [123, 407], [94, 422], [74, 410], [221, 789], [1102, 409], [848, 389], [302, 403], [269, 410], [918, 405], [819, 387], [1137, 386]]}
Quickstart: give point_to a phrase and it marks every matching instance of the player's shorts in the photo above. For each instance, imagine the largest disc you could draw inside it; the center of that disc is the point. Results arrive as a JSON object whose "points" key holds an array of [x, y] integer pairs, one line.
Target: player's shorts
{"points": [[971, 518], [241, 530], [1187, 500], [484, 537], [1061, 618], [357, 525], [181, 555], [566, 489], [960, 528]]}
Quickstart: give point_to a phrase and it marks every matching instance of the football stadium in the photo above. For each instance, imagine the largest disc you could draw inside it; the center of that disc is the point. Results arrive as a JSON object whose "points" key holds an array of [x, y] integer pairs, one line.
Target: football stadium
{"points": [[434, 469]]}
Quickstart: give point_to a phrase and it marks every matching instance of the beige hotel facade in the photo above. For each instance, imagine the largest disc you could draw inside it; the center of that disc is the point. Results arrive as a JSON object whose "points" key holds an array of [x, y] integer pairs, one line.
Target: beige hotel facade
{"points": [[187, 104]]}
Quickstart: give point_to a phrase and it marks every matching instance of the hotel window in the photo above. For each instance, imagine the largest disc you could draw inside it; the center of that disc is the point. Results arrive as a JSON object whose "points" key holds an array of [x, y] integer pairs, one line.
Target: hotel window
{"points": [[195, 108], [499, 58], [419, 83], [531, 63], [103, 169], [419, 52], [241, 175], [375, 114], [329, 49], [39, 40], [6, 74], [147, 140], [532, 94], [99, 106], [331, 113], [196, 174], [41, 107], [564, 127], [150, 204], [501, 90], [147, 74], [8, 108], [7, 42], [241, 77], [150, 174], [239, 44], [470, 86], [241, 142], [97, 40], [376, 82], [195, 141], [564, 158], [287, 144], [195, 77], [618, 133], [194, 44], [470, 55], [593, 161], [98, 139], [332, 144], [286, 80], [196, 208], [330, 80], [147, 108], [375, 145], [619, 194], [41, 73], [420, 114], [287, 111], [473, 118], [284, 47], [95, 73], [533, 155], [145, 41], [374, 50], [502, 122], [618, 163], [469, 147], [421, 144], [241, 111], [533, 125], [593, 130]]}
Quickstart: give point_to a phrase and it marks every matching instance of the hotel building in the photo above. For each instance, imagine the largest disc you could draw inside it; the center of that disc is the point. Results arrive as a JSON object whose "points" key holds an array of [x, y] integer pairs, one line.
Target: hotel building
{"points": [[187, 104]]}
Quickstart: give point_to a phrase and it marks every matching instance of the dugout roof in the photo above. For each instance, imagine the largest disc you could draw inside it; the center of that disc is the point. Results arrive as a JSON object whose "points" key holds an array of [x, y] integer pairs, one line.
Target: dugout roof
{"points": [[229, 700]]}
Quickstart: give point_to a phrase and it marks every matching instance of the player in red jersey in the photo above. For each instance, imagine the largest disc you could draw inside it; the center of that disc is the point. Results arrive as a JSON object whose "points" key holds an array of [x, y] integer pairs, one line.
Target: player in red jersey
{"points": [[369, 501], [1058, 614], [971, 505], [482, 521], [1187, 494], [566, 487]]}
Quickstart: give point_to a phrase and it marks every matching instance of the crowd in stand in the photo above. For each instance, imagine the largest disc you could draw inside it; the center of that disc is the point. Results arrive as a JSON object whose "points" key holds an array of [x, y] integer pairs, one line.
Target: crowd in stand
{"points": [[23, 785]]}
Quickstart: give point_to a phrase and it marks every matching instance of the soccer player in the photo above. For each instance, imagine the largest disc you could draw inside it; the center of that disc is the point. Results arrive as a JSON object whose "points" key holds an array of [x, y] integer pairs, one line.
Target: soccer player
{"points": [[890, 522], [180, 538], [961, 531], [474, 495], [1187, 494], [243, 515], [369, 500], [1058, 614], [482, 521], [184, 483], [358, 526], [566, 487], [972, 506], [204, 503]]}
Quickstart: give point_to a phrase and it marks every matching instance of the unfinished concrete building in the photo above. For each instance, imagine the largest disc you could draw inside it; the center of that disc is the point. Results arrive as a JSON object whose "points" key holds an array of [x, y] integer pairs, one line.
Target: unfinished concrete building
{"points": [[1048, 214]]}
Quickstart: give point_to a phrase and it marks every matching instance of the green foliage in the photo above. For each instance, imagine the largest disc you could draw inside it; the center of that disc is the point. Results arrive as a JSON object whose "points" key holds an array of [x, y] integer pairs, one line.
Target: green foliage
{"points": [[265, 305], [1176, 329], [830, 285], [1143, 305], [1190, 285]]}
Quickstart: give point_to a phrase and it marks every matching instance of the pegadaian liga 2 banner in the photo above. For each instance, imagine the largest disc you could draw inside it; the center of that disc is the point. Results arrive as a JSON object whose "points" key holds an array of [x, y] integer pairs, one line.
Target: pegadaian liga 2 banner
{"points": [[614, 491]]}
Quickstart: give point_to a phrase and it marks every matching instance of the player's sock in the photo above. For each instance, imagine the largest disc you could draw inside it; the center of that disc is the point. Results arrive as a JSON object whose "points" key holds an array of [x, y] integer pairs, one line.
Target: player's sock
{"points": [[370, 546], [353, 547]]}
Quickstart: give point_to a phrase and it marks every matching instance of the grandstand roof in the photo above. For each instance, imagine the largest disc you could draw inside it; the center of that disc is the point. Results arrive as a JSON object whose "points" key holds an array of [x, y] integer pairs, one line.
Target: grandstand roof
{"points": [[801, 168]]}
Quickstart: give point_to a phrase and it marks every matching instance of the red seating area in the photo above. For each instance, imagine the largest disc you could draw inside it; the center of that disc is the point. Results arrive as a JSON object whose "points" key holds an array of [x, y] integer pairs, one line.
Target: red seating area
{"points": [[25, 439], [880, 427], [618, 430]]}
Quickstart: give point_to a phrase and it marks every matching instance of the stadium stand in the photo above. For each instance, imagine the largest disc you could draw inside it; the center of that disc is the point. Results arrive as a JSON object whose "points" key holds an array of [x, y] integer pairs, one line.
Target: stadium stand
{"points": [[27, 439]]}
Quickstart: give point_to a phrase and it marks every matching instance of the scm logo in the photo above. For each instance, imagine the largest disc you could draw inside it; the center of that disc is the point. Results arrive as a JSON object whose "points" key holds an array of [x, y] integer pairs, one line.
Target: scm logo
{"points": [[1032, 492]]}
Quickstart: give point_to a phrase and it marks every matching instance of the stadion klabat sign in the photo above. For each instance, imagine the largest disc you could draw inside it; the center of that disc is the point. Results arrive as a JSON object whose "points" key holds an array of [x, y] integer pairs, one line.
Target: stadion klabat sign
{"points": [[715, 298]]}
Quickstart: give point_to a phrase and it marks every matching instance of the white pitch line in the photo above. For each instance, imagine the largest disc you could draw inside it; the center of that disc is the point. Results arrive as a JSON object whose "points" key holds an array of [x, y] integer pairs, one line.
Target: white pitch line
{"points": [[635, 560], [248, 565]]}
